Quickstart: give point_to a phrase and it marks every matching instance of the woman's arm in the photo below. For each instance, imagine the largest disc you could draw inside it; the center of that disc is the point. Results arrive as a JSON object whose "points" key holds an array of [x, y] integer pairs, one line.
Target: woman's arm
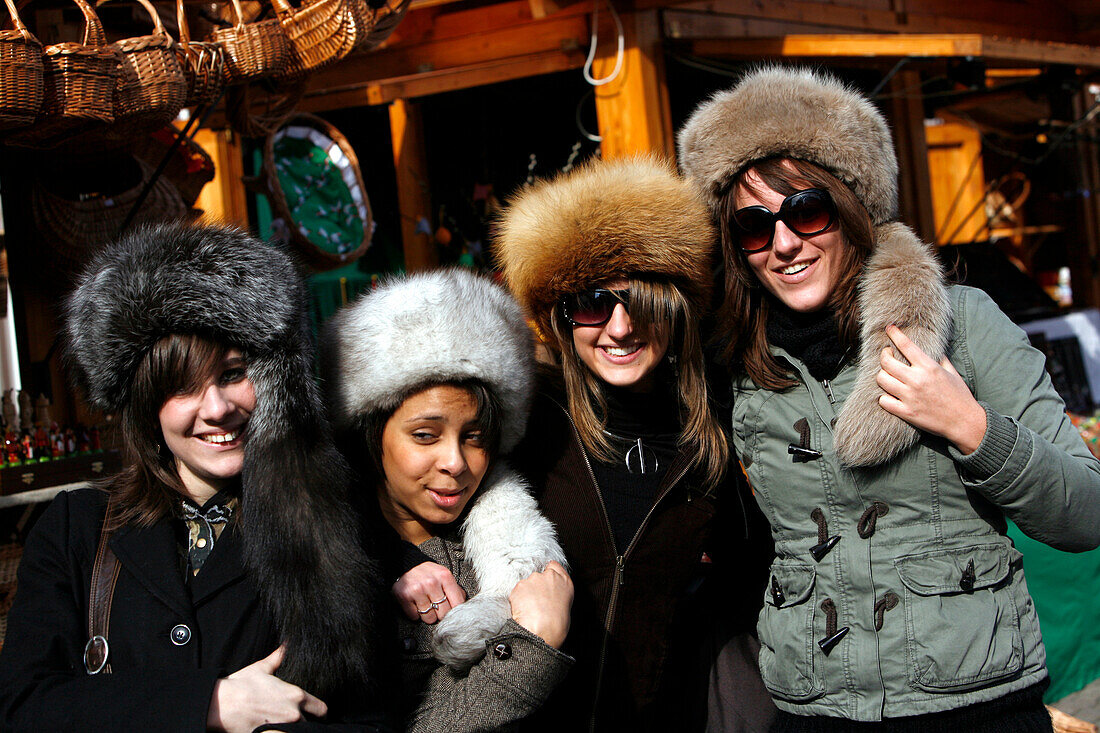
{"points": [[1030, 459], [521, 667]]}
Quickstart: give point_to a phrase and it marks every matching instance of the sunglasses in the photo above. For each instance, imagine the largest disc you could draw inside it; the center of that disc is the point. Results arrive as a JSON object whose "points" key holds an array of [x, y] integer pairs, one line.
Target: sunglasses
{"points": [[593, 307], [805, 213]]}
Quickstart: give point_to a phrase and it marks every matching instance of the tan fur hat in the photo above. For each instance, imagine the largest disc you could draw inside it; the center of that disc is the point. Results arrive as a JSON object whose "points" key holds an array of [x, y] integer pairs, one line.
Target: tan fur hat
{"points": [[604, 220], [796, 113]]}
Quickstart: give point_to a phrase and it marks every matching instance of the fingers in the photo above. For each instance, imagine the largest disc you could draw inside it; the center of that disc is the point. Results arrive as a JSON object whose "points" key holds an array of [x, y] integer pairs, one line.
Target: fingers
{"points": [[313, 705], [949, 367], [450, 587], [428, 592], [555, 567], [913, 353], [270, 664]]}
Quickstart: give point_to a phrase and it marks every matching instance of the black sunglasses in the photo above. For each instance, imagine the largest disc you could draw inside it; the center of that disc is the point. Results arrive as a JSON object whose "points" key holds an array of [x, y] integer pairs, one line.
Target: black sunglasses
{"points": [[805, 213], [593, 307]]}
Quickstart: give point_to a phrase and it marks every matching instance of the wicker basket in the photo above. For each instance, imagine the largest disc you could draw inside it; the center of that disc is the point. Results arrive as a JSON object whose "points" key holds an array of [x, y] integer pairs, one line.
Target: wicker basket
{"points": [[253, 50], [374, 25], [73, 224], [78, 87], [20, 73], [10, 554], [321, 31], [151, 87], [203, 64], [342, 156]]}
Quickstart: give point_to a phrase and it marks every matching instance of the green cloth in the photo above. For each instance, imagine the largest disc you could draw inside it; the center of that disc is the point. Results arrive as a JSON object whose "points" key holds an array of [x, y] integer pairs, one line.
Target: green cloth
{"points": [[317, 196], [1065, 587]]}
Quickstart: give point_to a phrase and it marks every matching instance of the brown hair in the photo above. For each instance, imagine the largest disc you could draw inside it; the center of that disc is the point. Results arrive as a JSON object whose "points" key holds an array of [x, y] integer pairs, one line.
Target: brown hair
{"points": [[656, 307], [149, 486], [743, 317]]}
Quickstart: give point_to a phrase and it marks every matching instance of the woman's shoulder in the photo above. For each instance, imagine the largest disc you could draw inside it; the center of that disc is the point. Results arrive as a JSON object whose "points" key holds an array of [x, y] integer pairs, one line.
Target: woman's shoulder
{"points": [[77, 511]]}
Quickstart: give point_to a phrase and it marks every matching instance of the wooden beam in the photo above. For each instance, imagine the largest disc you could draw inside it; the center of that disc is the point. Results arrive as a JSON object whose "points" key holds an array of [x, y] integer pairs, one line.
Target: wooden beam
{"points": [[1014, 50], [413, 195], [906, 113], [632, 110], [719, 18], [223, 199]]}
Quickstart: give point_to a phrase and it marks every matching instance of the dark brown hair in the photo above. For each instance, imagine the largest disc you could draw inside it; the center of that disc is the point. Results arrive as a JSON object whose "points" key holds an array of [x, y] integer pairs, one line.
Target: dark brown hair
{"points": [[657, 307], [743, 317], [149, 486]]}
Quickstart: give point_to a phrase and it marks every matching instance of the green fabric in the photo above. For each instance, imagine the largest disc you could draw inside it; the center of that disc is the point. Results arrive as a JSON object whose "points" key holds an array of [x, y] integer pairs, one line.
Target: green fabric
{"points": [[319, 200], [1065, 587]]}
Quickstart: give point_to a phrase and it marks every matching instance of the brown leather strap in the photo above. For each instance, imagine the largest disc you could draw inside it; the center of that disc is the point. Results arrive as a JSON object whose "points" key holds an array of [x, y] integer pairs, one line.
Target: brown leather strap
{"points": [[104, 577]]}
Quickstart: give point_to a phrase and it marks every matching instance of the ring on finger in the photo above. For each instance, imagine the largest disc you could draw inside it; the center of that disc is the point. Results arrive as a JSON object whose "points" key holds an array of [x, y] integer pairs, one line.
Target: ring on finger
{"points": [[429, 609], [440, 602]]}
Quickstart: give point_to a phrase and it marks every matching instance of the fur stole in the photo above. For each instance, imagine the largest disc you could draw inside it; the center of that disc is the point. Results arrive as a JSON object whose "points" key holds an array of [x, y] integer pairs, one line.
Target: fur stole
{"points": [[904, 285], [506, 538]]}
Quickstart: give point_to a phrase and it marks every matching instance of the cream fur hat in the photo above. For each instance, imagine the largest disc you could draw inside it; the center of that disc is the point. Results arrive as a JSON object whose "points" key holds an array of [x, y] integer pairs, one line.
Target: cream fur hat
{"points": [[430, 327], [776, 111]]}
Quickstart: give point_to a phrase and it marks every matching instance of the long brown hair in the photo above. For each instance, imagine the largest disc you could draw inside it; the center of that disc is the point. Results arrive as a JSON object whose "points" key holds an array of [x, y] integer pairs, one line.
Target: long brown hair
{"points": [[656, 307], [743, 316], [149, 486]]}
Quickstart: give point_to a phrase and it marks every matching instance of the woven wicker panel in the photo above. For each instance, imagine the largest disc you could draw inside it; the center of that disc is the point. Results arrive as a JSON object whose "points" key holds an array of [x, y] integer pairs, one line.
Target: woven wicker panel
{"points": [[78, 87], [253, 50], [260, 108], [10, 555], [73, 227], [374, 25], [20, 73], [203, 64], [321, 31]]}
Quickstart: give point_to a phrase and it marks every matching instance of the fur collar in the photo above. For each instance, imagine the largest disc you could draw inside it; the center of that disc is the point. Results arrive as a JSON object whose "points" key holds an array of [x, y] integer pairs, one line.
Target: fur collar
{"points": [[506, 539], [904, 285]]}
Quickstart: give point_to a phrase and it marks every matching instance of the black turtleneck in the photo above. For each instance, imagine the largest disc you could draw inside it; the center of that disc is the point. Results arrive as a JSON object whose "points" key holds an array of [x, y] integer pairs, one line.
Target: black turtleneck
{"points": [[643, 429], [811, 337]]}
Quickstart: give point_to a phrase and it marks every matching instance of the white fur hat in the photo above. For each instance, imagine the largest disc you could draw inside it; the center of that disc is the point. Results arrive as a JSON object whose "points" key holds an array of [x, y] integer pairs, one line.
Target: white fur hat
{"points": [[430, 327], [776, 111]]}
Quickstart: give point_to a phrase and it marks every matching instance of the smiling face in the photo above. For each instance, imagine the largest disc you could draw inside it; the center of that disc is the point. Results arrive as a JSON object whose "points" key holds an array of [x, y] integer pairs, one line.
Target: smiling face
{"points": [[800, 271], [434, 456], [616, 353], [205, 428]]}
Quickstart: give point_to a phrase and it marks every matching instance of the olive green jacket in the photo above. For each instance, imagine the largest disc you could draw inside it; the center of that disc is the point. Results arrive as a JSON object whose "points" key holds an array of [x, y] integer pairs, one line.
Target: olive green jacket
{"points": [[895, 591]]}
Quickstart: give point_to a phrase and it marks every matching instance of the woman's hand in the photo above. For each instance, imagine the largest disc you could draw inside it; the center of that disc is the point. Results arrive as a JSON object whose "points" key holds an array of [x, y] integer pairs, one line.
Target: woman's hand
{"points": [[424, 585], [541, 603], [929, 396], [253, 696]]}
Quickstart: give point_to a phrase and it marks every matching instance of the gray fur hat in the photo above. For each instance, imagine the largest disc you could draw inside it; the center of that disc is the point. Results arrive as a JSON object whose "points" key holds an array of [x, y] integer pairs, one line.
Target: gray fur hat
{"points": [[301, 539], [430, 327], [776, 111]]}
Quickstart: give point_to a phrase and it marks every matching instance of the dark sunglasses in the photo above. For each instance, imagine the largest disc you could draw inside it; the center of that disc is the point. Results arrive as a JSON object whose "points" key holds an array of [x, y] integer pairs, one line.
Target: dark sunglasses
{"points": [[593, 307], [805, 213]]}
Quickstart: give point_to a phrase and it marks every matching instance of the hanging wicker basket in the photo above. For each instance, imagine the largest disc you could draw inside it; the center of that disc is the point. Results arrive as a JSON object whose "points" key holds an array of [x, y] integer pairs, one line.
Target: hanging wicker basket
{"points": [[331, 225], [373, 25], [253, 50], [151, 87], [20, 73], [321, 31], [78, 87], [203, 64]]}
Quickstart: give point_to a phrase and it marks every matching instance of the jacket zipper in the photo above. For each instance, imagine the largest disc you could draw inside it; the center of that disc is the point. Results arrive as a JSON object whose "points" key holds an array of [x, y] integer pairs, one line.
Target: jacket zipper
{"points": [[618, 580], [828, 391]]}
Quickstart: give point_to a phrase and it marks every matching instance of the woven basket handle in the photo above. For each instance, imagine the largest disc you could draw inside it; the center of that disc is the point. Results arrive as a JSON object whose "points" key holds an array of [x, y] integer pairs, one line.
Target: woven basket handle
{"points": [[158, 27], [282, 7], [93, 29], [239, 13], [181, 22], [18, 22]]}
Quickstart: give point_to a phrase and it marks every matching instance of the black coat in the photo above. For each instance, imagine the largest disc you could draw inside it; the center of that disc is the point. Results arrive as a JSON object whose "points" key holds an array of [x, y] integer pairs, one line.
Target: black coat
{"points": [[155, 685]]}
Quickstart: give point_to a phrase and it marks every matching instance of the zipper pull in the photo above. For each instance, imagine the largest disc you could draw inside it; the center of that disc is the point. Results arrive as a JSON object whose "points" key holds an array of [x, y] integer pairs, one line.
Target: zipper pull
{"points": [[619, 568], [828, 391]]}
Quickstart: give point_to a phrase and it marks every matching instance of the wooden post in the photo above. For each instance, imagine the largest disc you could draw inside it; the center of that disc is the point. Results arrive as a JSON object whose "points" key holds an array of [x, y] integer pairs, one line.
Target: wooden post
{"points": [[413, 197], [906, 111], [632, 110], [223, 199], [1085, 258], [958, 182]]}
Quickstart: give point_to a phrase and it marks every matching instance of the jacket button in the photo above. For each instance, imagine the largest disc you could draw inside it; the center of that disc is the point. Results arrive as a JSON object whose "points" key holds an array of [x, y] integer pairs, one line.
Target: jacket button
{"points": [[502, 651], [180, 634]]}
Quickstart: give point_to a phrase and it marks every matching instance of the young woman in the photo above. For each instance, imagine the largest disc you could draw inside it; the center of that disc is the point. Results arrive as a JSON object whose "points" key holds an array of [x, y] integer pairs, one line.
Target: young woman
{"points": [[431, 380], [223, 557], [888, 424], [613, 263]]}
